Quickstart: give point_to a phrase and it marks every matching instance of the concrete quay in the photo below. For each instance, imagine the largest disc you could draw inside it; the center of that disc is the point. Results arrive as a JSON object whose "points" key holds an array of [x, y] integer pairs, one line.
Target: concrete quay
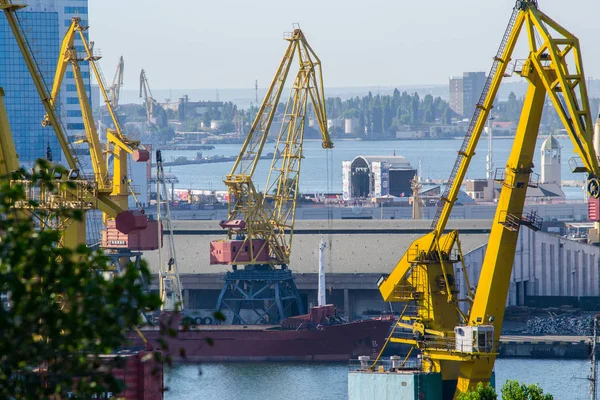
{"points": [[563, 347]]}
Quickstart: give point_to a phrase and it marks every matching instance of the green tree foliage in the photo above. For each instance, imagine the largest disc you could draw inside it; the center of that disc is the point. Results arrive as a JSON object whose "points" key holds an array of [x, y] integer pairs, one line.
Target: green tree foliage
{"points": [[509, 110], [382, 115], [227, 114], [512, 390], [62, 313], [480, 393]]}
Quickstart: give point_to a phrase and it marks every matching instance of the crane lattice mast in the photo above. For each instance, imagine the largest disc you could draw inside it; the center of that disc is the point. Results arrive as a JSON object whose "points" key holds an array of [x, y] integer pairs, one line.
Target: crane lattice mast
{"points": [[260, 225]]}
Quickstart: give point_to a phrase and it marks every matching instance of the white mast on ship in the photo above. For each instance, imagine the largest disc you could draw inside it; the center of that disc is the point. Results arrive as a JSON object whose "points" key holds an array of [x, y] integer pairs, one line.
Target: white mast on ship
{"points": [[321, 293]]}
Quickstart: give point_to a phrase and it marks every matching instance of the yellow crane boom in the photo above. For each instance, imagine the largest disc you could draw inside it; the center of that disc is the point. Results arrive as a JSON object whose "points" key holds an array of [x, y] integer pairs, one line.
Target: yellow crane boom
{"points": [[117, 143], [463, 345], [68, 55], [9, 160]]}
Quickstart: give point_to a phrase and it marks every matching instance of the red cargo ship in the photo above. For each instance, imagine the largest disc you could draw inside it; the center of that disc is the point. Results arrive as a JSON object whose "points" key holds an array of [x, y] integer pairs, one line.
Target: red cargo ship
{"points": [[316, 336], [143, 379], [142, 376]]}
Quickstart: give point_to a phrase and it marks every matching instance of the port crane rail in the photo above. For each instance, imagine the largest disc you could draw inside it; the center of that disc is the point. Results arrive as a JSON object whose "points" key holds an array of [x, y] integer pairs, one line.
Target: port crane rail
{"points": [[463, 345], [269, 216]]}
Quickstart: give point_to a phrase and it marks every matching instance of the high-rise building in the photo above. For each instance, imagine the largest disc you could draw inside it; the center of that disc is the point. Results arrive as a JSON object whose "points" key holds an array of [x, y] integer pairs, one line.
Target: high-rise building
{"points": [[44, 23], [456, 94], [23, 105], [465, 92]]}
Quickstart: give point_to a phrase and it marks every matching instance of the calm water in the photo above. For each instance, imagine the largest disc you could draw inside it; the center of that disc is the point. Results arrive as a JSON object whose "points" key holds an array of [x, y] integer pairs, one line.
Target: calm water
{"points": [[322, 170], [566, 380]]}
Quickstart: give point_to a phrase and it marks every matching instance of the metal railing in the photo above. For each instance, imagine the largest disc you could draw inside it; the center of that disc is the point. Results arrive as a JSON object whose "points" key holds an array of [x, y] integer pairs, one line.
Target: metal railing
{"points": [[384, 365], [66, 194], [500, 177], [529, 219]]}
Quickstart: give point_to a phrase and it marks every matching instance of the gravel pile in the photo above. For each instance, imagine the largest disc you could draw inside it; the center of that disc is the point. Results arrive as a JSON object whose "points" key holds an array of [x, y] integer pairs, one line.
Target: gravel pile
{"points": [[565, 325]]}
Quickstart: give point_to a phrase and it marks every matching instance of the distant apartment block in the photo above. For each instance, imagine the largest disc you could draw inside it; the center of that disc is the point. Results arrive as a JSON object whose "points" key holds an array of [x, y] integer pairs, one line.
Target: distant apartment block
{"points": [[456, 94], [465, 92], [44, 23]]}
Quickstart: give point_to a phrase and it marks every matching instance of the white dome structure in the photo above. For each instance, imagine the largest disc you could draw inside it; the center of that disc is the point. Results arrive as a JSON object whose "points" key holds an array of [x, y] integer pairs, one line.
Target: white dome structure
{"points": [[551, 162]]}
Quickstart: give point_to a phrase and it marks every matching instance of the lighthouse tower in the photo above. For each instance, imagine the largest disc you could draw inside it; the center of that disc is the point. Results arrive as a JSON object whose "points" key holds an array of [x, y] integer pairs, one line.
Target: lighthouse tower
{"points": [[550, 161]]}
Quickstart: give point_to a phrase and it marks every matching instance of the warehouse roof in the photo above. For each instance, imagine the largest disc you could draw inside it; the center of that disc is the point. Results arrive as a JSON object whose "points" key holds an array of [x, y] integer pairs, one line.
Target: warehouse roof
{"points": [[393, 162]]}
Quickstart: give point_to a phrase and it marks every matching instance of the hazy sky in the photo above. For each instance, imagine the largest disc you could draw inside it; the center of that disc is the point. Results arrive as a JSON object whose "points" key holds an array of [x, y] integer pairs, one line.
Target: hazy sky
{"points": [[196, 44]]}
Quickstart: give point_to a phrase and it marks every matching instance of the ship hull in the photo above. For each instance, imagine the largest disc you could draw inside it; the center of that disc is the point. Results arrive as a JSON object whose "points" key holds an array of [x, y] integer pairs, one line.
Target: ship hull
{"points": [[332, 343]]}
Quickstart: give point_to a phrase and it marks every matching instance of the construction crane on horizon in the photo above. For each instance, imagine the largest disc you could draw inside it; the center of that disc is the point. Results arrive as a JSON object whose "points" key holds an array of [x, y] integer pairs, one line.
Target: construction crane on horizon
{"points": [[154, 111], [462, 344], [260, 225], [114, 91]]}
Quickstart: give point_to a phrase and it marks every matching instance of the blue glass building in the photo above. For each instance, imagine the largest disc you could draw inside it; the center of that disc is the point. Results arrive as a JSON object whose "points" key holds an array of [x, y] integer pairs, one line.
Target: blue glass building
{"points": [[24, 107], [44, 23]]}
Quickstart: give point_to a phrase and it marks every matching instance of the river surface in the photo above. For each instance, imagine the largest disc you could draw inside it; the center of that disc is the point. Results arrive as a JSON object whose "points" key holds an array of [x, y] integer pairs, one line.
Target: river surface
{"points": [[566, 380], [322, 169]]}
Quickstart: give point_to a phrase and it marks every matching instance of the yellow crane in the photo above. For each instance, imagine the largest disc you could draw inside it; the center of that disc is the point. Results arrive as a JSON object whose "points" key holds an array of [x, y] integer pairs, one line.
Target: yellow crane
{"points": [[260, 225], [85, 193], [463, 345], [67, 191], [118, 145]]}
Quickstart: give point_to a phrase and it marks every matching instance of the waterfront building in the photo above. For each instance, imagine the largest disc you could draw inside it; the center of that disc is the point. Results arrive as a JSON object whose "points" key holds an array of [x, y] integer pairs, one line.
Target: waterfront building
{"points": [[550, 161], [351, 126], [44, 23], [465, 92], [377, 176], [456, 94]]}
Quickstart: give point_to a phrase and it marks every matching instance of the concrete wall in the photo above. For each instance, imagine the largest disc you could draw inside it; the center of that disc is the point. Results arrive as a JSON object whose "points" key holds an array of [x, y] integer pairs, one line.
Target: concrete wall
{"points": [[545, 265], [352, 294], [362, 250]]}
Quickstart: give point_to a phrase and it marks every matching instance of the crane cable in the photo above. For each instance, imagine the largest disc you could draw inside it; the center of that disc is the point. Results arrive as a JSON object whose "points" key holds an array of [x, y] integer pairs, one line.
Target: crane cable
{"points": [[329, 167]]}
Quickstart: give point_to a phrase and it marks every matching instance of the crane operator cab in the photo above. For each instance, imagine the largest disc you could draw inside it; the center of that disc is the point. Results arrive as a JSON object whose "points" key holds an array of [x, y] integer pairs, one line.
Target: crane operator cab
{"points": [[474, 339]]}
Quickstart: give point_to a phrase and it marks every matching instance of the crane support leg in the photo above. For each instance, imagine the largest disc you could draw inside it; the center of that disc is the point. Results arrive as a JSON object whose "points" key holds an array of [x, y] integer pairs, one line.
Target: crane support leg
{"points": [[74, 234], [495, 272]]}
